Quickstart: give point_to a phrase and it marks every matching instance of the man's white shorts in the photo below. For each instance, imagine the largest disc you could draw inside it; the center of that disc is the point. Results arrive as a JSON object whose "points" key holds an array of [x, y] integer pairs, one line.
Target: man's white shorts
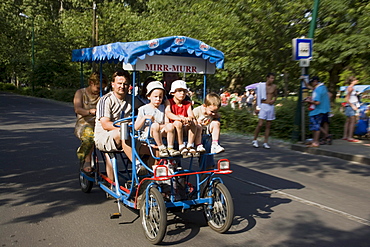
{"points": [[105, 142], [267, 112]]}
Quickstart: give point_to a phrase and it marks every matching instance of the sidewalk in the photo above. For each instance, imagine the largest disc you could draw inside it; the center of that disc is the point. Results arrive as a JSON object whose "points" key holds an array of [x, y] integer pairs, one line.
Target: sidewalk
{"points": [[359, 151]]}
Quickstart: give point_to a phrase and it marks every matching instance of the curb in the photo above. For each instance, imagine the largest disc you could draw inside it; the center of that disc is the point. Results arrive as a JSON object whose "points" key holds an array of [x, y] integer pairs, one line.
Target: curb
{"points": [[345, 156]]}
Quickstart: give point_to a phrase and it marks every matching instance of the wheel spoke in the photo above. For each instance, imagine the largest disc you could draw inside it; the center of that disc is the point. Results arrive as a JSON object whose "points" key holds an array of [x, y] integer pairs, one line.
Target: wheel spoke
{"points": [[221, 212], [155, 222]]}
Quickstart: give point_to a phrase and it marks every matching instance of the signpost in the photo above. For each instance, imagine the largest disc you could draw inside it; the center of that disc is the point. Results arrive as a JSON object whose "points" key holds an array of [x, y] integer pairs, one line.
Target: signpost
{"points": [[302, 52]]}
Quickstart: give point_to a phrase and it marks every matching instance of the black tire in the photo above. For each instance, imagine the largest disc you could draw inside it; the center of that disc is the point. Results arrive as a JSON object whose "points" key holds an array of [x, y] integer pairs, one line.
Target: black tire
{"points": [[155, 223], [220, 215], [85, 184]]}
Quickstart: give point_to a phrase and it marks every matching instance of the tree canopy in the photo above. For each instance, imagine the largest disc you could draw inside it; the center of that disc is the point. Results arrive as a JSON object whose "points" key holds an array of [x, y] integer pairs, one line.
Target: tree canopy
{"points": [[255, 35]]}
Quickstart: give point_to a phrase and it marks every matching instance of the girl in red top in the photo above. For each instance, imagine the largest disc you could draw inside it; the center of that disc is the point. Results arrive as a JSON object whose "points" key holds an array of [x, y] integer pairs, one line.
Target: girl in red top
{"points": [[179, 113]]}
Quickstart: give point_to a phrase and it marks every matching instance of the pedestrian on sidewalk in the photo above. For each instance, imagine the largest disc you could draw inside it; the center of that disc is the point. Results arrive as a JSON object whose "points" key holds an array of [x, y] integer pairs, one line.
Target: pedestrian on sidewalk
{"points": [[324, 126], [350, 110], [266, 97], [319, 108]]}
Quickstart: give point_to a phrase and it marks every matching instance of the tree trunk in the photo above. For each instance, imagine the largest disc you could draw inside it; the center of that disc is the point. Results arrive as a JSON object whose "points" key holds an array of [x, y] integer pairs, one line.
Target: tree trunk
{"points": [[285, 84], [334, 80]]}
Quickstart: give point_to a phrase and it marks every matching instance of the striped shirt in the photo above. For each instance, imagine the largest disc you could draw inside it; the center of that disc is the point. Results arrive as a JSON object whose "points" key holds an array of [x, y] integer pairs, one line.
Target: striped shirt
{"points": [[113, 108]]}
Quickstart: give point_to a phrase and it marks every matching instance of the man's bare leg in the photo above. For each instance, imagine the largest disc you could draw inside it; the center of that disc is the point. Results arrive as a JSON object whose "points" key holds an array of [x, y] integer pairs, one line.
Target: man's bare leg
{"points": [[267, 131], [258, 128]]}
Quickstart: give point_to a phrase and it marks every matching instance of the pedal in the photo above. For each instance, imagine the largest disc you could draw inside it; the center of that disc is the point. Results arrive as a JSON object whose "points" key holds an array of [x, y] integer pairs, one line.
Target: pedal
{"points": [[115, 215]]}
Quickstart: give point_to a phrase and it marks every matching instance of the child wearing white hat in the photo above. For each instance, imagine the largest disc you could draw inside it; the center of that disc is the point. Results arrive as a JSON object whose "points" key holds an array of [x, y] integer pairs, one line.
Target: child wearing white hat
{"points": [[155, 112], [180, 113]]}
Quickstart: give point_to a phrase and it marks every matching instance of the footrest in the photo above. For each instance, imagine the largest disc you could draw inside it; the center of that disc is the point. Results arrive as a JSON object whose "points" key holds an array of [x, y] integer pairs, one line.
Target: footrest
{"points": [[115, 215]]}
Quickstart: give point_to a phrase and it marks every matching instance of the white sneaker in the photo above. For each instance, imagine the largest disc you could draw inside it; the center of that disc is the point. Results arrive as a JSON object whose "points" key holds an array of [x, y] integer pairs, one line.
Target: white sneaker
{"points": [[265, 145], [255, 143], [216, 148], [201, 149]]}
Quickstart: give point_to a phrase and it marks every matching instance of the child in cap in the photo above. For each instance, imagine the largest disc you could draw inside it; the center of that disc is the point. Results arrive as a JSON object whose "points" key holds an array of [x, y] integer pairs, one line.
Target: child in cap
{"points": [[155, 111], [207, 116], [180, 113]]}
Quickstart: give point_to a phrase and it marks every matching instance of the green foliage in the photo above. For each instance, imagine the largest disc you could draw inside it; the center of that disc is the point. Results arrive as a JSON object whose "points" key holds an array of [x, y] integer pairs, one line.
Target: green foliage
{"points": [[255, 36], [7, 87], [337, 121], [234, 121], [64, 95], [282, 126], [237, 120], [241, 121]]}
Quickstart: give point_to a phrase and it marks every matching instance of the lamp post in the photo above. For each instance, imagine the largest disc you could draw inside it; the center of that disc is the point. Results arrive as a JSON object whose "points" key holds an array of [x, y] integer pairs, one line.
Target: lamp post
{"points": [[33, 47]]}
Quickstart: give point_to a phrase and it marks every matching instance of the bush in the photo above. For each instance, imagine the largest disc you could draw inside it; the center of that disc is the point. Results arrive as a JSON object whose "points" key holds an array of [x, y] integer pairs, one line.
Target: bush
{"points": [[237, 121], [7, 87], [65, 95], [243, 122]]}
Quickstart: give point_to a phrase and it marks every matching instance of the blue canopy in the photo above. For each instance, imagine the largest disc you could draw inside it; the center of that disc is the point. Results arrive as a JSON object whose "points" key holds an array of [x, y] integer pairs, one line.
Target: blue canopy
{"points": [[358, 88], [129, 52]]}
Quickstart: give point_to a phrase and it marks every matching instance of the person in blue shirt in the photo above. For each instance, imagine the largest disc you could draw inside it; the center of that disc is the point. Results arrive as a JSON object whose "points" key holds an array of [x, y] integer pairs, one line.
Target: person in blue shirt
{"points": [[319, 109]]}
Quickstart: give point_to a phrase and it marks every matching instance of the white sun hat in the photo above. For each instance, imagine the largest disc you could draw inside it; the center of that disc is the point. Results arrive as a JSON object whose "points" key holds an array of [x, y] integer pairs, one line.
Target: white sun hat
{"points": [[178, 84], [154, 85]]}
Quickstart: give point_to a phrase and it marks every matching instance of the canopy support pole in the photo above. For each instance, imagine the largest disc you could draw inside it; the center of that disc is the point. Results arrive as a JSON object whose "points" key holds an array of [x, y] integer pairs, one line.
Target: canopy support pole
{"points": [[205, 80], [133, 146], [101, 79], [82, 75], [204, 86]]}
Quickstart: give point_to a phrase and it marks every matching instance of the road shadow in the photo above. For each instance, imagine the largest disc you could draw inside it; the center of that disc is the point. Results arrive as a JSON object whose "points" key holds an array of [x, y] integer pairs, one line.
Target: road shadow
{"points": [[39, 167], [240, 149]]}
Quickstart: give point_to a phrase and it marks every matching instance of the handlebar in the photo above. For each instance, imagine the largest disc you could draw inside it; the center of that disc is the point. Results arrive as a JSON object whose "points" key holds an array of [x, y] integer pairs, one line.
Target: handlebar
{"points": [[116, 123]]}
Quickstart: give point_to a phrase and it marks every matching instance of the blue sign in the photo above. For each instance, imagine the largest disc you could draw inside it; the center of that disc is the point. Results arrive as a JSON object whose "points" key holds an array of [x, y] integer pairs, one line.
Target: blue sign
{"points": [[302, 49]]}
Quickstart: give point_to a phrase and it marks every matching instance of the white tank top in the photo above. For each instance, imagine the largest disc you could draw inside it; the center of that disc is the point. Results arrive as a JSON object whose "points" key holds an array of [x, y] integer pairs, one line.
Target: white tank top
{"points": [[353, 97]]}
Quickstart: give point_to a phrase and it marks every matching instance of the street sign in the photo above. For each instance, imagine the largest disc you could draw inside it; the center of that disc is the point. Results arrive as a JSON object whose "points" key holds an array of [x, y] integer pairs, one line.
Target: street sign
{"points": [[304, 63], [302, 49]]}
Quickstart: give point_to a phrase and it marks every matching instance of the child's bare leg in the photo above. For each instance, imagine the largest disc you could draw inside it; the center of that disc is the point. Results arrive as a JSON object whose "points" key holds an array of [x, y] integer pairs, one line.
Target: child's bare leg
{"points": [[198, 136], [192, 133], [215, 129], [170, 130], [156, 133], [178, 127], [198, 140]]}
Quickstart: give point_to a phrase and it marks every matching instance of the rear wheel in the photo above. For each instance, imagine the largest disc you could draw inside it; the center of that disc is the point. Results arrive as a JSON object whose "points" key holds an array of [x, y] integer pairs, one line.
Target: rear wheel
{"points": [[85, 184], [220, 214], [155, 220]]}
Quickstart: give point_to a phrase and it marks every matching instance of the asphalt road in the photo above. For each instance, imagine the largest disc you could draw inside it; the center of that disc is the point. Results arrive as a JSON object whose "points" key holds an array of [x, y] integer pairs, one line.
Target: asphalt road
{"points": [[281, 197]]}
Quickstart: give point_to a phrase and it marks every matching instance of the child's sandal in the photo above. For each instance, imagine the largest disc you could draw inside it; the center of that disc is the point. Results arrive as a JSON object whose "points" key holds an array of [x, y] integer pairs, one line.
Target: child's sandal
{"points": [[184, 152], [193, 152]]}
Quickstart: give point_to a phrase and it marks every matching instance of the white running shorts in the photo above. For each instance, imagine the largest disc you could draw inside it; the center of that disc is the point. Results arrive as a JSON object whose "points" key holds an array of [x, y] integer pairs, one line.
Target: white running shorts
{"points": [[267, 112]]}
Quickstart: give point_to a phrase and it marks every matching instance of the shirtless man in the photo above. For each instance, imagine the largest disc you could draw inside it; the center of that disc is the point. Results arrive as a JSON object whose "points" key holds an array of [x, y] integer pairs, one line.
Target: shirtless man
{"points": [[267, 111]]}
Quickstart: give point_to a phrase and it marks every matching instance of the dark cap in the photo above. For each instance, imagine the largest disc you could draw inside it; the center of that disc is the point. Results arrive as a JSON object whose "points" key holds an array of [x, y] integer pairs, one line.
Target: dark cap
{"points": [[315, 78]]}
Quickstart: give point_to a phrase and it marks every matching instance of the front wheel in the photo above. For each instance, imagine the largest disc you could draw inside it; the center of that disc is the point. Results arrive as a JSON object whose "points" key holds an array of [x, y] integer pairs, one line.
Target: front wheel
{"points": [[220, 214], [85, 184], [153, 215]]}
